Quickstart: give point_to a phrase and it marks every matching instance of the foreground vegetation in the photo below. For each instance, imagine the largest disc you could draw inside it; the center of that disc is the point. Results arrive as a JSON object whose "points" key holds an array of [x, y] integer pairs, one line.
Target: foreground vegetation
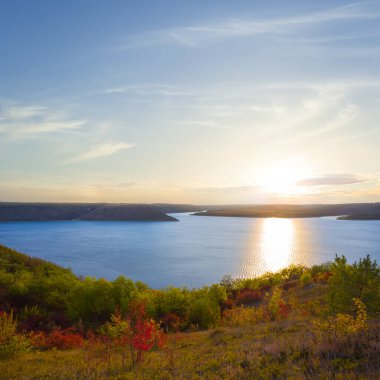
{"points": [[320, 322]]}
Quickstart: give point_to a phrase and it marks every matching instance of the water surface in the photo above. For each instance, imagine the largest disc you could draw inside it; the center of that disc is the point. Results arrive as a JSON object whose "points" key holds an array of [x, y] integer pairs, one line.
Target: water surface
{"points": [[195, 251]]}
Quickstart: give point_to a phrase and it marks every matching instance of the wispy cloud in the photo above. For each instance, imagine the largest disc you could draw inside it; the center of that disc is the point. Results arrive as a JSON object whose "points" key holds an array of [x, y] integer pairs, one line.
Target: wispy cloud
{"points": [[149, 89], [103, 150], [224, 189], [49, 126], [24, 112], [206, 124], [334, 179], [20, 121], [197, 35]]}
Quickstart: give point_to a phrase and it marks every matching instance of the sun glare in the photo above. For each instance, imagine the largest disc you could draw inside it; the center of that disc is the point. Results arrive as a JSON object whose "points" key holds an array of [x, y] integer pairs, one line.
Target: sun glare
{"points": [[277, 242], [282, 179]]}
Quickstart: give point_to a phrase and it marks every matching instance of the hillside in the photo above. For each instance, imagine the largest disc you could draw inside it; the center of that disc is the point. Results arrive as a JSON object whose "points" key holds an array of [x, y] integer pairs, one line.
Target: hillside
{"points": [[80, 211], [299, 323]]}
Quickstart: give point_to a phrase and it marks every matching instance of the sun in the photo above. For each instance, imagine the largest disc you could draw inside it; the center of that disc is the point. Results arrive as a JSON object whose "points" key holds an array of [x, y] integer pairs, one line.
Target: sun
{"points": [[282, 179], [280, 183]]}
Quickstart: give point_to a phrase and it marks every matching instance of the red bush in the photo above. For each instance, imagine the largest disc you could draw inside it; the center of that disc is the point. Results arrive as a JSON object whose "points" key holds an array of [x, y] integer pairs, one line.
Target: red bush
{"points": [[248, 296], [144, 333], [61, 339]]}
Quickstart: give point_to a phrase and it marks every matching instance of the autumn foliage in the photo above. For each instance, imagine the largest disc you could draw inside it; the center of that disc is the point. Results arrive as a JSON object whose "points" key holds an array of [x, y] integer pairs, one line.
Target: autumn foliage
{"points": [[118, 322], [136, 331], [60, 339]]}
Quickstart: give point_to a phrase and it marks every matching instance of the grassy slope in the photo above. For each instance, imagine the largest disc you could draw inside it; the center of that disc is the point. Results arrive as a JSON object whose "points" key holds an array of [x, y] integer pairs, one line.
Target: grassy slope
{"points": [[284, 349]]}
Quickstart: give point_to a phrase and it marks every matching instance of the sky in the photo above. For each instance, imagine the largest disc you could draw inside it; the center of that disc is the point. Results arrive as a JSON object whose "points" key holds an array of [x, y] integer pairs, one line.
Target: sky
{"points": [[208, 102]]}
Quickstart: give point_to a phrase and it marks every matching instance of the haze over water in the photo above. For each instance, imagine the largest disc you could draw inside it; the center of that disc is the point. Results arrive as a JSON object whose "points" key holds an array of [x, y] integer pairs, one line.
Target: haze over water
{"points": [[195, 251]]}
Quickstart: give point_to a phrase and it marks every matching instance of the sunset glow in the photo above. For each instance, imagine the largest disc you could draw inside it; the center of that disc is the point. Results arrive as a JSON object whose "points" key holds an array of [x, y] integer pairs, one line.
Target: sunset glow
{"points": [[283, 178], [219, 102], [281, 181]]}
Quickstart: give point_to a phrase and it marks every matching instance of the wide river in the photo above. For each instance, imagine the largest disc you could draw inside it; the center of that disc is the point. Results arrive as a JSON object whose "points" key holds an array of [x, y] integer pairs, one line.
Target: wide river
{"points": [[196, 250]]}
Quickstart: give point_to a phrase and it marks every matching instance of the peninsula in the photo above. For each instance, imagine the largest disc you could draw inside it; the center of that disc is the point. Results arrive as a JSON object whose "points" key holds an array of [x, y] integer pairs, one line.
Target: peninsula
{"points": [[81, 211], [348, 211]]}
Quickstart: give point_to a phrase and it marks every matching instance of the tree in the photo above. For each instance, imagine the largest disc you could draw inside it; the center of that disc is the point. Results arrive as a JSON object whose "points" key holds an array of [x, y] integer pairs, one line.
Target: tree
{"points": [[360, 280], [205, 313]]}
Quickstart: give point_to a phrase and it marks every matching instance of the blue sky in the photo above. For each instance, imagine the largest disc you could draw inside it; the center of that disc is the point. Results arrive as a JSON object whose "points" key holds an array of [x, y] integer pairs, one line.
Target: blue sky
{"points": [[196, 102]]}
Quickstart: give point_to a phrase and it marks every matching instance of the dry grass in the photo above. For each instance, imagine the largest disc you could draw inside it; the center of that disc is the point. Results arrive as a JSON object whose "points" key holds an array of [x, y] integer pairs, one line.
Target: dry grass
{"points": [[290, 348], [285, 349]]}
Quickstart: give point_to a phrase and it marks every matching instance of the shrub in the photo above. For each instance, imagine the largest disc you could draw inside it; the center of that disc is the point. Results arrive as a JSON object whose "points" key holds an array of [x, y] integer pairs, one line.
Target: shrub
{"points": [[305, 279], [204, 313], [248, 296], [60, 339], [343, 334], [242, 316], [342, 325], [320, 269], [275, 305], [323, 277], [32, 318], [292, 272], [137, 331], [228, 304], [289, 285], [172, 300], [11, 343], [171, 322]]}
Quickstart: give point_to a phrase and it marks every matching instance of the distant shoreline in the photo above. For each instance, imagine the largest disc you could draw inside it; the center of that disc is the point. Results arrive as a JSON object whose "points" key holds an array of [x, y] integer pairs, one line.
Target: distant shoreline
{"points": [[24, 212], [18, 211], [350, 211]]}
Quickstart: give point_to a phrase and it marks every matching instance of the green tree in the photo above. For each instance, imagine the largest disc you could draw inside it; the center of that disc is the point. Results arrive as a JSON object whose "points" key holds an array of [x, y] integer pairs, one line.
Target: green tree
{"points": [[91, 301], [205, 313], [360, 280]]}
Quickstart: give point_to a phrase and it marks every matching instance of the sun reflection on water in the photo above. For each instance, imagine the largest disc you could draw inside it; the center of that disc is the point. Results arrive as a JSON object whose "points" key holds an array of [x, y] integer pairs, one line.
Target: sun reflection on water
{"points": [[277, 242]]}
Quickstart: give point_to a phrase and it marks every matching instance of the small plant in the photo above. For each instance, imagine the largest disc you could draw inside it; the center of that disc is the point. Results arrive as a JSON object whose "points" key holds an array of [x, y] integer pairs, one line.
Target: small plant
{"points": [[137, 331], [275, 305], [143, 333]]}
